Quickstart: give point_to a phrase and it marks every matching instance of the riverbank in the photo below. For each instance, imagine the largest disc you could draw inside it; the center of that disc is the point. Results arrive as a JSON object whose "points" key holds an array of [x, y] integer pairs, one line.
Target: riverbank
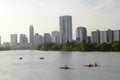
{"points": [[83, 46]]}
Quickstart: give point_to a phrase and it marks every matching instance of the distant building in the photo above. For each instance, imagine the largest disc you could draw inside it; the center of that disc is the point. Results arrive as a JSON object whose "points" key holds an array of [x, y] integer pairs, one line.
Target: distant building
{"points": [[0, 41], [81, 34], [65, 23], [31, 34], [6, 44], [88, 39], [47, 38], [116, 35], [13, 40], [42, 40], [110, 36], [55, 37], [103, 36], [23, 41], [37, 40], [95, 36]]}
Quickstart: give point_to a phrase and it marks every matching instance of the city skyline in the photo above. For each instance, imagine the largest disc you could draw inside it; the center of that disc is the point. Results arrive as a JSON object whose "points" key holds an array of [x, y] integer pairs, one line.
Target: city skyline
{"points": [[14, 37], [17, 15], [99, 37]]}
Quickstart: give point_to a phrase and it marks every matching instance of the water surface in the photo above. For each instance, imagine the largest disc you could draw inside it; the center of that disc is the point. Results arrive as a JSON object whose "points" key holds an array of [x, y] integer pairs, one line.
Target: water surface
{"points": [[33, 68]]}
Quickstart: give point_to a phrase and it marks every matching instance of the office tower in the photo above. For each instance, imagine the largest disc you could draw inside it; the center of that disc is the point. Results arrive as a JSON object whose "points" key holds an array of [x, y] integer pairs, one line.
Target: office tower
{"points": [[31, 34], [88, 39], [47, 38], [103, 37], [0, 40], [81, 34], [55, 37], [95, 36], [6, 44], [116, 35], [42, 40], [110, 36], [65, 23], [37, 40], [23, 40], [13, 40]]}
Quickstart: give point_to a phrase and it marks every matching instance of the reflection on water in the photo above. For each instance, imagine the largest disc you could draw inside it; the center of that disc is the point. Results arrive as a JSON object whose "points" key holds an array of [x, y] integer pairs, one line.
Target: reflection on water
{"points": [[31, 67]]}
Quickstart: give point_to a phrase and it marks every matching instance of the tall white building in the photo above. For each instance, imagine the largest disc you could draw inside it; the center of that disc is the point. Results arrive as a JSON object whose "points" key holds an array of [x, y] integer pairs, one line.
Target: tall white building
{"points": [[47, 38], [37, 40], [110, 36], [6, 44], [31, 34], [0, 40], [55, 37], [13, 40], [103, 36], [81, 34], [95, 36], [116, 35], [23, 40], [65, 23]]}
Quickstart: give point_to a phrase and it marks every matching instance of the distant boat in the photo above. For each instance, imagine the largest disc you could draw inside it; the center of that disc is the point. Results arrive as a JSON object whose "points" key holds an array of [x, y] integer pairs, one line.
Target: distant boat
{"points": [[92, 65], [42, 58], [20, 58], [64, 67]]}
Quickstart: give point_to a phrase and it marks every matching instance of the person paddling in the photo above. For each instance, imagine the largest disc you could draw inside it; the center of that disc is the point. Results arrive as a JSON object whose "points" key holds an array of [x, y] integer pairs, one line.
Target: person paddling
{"points": [[96, 64]]}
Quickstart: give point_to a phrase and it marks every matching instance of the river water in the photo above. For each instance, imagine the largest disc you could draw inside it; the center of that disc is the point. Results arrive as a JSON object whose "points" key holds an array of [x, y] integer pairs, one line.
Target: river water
{"points": [[31, 67]]}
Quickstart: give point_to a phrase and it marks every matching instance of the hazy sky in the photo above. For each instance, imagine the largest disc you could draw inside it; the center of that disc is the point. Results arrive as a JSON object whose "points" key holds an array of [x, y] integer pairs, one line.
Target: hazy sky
{"points": [[17, 15]]}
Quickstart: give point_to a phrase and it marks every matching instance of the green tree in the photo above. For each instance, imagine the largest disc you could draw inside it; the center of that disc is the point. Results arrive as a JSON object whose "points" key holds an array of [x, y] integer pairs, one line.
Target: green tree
{"points": [[104, 47], [116, 46]]}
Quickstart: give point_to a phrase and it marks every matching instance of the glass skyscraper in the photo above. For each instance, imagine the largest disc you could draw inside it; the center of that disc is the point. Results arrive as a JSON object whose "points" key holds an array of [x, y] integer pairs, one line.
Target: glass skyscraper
{"points": [[31, 34]]}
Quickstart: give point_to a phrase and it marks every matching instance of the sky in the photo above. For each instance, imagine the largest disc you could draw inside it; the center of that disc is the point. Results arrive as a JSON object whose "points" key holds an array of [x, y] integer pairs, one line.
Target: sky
{"points": [[17, 15]]}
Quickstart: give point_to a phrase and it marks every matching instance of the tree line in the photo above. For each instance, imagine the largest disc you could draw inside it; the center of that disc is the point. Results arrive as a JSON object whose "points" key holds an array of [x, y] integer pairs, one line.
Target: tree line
{"points": [[83, 46]]}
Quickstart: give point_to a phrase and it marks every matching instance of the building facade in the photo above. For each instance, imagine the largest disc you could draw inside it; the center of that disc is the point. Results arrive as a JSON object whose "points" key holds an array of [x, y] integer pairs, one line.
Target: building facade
{"points": [[47, 38], [81, 34], [116, 35], [37, 40], [95, 36], [6, 44], [14, 40], [55, 37], [0, 42], [103, 37], [31, 34], [65, 23], [23, 41], [88, 39]]}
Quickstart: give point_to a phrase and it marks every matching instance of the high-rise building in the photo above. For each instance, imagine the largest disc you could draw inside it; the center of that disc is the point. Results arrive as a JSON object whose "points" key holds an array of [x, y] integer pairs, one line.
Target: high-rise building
{"points": [[95, 36], [81, 34], [88, 39], [110, 36], [23, 40], [0, 40], [55, 37], [47, 38], [31, 34], [103, 36], [13, 40], [65, 23], [116, 35], [37, 40], [6, 44]]}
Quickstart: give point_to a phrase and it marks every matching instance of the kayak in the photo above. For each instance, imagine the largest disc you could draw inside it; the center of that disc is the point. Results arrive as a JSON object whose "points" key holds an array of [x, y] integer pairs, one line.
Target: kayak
{"points": [[64, 67], [42, 58], [91, 65]]}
